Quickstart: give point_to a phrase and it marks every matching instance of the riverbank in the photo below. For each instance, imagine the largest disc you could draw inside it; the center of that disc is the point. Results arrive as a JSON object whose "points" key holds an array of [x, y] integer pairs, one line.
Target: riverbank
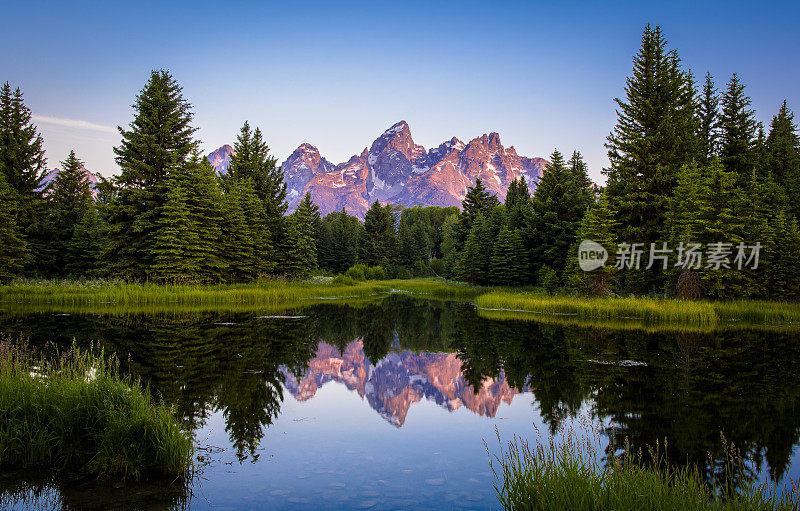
{"points": [[260, 295], [73, 413], [640, 311], [498, 303]]}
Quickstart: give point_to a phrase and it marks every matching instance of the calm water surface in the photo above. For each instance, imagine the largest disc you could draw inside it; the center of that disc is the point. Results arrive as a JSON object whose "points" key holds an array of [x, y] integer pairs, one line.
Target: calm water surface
{"points": [[388, 405]]}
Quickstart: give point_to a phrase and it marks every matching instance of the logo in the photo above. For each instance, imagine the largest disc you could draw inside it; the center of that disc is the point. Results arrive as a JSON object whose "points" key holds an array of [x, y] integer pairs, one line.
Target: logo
{"points": [[591, 255]]}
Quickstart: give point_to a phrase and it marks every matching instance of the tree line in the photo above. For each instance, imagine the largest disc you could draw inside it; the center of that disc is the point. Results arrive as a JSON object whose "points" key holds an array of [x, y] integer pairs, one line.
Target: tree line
{"points": [[688, 163]]}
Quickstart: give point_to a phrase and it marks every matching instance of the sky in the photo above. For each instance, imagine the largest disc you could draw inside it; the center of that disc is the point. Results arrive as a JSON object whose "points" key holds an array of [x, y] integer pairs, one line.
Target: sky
{"points": [[336, 75]]}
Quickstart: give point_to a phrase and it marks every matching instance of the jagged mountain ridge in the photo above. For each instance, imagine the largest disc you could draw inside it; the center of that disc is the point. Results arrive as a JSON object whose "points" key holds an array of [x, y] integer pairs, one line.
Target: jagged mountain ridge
{"points": [[221, 159], [395, 169], [398, 381]]}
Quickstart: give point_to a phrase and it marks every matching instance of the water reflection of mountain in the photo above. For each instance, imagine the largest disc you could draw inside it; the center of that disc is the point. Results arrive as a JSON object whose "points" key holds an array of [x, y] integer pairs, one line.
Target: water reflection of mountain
{"points": [[401, 350], [399, 380]]}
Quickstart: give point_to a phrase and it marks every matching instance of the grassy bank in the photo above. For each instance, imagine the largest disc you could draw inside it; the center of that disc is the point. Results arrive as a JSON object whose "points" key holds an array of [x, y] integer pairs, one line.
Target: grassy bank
{"points": [[262, 295], [570, 475], [74, 413], [642, 310], [275, 295]]}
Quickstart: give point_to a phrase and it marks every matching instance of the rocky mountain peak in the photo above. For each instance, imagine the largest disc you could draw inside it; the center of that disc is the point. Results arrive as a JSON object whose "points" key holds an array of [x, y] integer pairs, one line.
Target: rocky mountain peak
{"points": [[395, 169], [221, 159]]}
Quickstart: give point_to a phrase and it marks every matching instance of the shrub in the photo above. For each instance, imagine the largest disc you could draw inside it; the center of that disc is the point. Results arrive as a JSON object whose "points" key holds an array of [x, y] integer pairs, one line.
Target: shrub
{"points": [[76, 413], [357, 272], [344, 280], [375, 273], [360, 272]]}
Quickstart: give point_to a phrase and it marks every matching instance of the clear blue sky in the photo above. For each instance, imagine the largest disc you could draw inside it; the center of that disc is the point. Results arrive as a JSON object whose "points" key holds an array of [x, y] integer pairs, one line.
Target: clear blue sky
{"points": [[337, 74]]}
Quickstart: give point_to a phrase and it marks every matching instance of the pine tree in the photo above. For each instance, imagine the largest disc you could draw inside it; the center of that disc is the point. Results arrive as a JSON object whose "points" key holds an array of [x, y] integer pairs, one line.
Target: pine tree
{"points": [[70, 199], [379, 239], [85, 248], [581, 183], [450, 253], [737, 129], [518, 204], [598, 225], [22, 163], [708, 112], [558, 205], [251, 159], [656, 133], [239, 248], [175, 257], [13, 248], [723, 216], [478, 200], [509, 262], [337, 248], [302, 254], [688, 207], [783, 270], [474, 264], [783, 156], [205, 205], [22, 160], [159, 141], [264, 257]]}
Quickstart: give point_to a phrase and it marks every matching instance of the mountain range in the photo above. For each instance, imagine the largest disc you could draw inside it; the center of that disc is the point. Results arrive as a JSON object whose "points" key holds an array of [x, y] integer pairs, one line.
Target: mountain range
{"points": [[396, 170], [398, 381]]}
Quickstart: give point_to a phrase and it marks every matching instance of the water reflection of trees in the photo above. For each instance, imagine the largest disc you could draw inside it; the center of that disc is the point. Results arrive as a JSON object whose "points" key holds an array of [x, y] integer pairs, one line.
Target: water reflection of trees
{"points": [[694, 385], [693, 388]]}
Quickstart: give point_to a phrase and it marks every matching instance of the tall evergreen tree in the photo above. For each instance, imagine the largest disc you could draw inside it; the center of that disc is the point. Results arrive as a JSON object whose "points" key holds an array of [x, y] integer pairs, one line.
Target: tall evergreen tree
{"points": [[251, 159], [70, 199], [656, 133], [708, 112], [13, 248], [518, 204], [85, 248], [478, 200], [581, 183], [558, 204], [204, 201], [737, 130], [159, 141], [22, 160], [783, 156], [688, 210], [783, 270], [378, 244], [598, 225], [723, 218], [509, 262], [264, 256], [175, 255], [474, 264], [337, 248], [300, 246], [239, 252]]}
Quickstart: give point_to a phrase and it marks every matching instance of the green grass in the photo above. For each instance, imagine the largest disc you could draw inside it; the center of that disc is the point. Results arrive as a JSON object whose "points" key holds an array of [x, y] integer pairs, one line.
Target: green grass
{"points": [[568, 474], [642, 310], [72, 412], [499, 303], [98, 296]]}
